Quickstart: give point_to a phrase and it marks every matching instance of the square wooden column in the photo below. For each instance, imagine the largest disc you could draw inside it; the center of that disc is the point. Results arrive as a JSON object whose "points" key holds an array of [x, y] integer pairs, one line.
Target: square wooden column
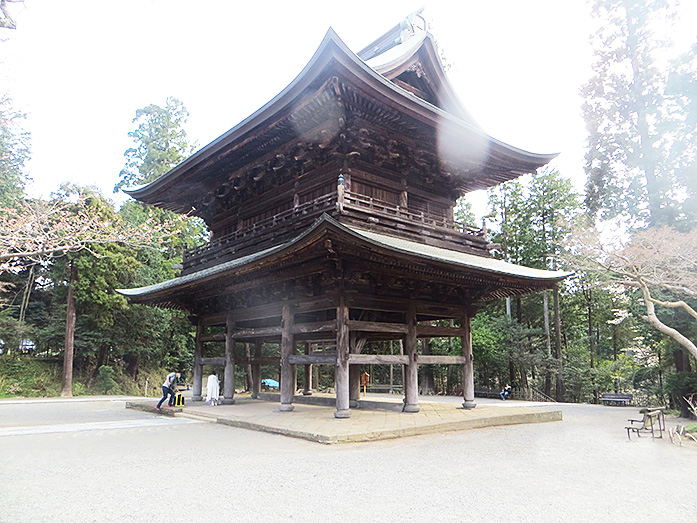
{"points": [[229, 384], [468, 367], [256, 371], [354, 385], [287, 372], [307, 390], [411, 373], [342, 357], [198, 366]]}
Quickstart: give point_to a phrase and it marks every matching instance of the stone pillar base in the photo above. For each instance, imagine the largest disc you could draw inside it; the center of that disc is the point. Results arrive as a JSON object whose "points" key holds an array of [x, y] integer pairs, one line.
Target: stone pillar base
{"points": [[342, 414], [467, 404], [197, 398], [255, 396], [307, 393], [227, 401], [411, 408], [353, 404], [286, 407]]}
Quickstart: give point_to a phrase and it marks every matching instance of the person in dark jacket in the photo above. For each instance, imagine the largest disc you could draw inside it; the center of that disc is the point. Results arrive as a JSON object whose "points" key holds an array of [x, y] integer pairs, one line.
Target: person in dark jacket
{"points": [[169, 388], [506, 392]]}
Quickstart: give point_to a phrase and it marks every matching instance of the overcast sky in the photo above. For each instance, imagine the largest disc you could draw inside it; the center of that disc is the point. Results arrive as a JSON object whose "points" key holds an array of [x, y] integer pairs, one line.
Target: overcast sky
{"points": [[81, 68]]}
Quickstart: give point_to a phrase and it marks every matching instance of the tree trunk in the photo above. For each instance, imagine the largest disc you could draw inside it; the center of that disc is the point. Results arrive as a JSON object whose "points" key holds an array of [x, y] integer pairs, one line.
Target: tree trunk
{"points": [[519, 310], [662, 327], [27, 294], [682, 361], [548, 341], [67, 389], [647, 159], [591, 339], [559, 388]]}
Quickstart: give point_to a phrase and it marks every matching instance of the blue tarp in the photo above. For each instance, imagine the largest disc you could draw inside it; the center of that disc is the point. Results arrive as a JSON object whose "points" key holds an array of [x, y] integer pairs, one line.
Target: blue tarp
{"points": [[270, 383]]}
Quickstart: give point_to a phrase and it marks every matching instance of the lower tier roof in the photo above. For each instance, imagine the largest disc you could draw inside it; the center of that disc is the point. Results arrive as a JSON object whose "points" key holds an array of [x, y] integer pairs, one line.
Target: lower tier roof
{"points": [[507, 279]]}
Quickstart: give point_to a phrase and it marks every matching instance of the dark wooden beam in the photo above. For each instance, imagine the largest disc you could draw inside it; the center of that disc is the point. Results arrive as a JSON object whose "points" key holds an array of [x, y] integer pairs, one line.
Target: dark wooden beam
{"points": [[376, 326], [213, 361], [434, 331], [219, 336], [441, 360], [312, 359], [261, 360], [317, 326], [367, 359], [257, 332]]}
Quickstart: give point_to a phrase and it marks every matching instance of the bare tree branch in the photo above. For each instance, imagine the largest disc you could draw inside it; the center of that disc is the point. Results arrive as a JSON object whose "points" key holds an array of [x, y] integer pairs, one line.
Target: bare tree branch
{"points": [[6, 20], [658, 258], [39, 230]]}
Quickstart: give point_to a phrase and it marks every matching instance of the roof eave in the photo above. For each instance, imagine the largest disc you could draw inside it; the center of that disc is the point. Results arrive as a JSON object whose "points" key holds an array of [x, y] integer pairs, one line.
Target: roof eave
{"points": [[332, 47], [323, 224]]}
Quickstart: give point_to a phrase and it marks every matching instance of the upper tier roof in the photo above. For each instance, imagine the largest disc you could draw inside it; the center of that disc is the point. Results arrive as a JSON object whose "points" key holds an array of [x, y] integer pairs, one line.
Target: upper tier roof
{"points": [[409, 49], [338, 79]]}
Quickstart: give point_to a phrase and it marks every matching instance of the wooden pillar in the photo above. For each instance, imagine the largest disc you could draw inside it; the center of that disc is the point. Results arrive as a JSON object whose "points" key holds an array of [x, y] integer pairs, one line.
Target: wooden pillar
{"points": [[354, 385], [468, 367], [229, 384], [287, 374], [411, 373], [356, 347], [198, 367], [315, 377], [256, 371], [342, 355], [307, 391]]}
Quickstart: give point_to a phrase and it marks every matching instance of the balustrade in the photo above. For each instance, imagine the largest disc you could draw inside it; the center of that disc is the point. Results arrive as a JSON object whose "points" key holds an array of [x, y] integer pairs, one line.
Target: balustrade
{"points": [[286, 221]]}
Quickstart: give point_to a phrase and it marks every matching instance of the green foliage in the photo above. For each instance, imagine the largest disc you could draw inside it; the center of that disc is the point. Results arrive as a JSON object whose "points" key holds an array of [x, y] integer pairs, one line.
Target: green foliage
{"points": [[531, 217], [640, 160], [29, 377], [105, 380], [160, 143], [681, 383], [12, 330], [463, 213], [14, 152]]}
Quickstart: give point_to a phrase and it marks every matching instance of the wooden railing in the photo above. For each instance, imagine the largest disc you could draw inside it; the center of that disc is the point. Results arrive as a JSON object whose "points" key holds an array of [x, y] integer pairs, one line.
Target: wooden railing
{"points": [[239, 239], [287, 221], [401, 213], [537, 395]]}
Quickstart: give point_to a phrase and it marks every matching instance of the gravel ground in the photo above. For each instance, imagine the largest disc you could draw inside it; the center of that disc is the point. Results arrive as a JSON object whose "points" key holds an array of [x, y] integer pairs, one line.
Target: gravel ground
{"points": [[579, 469]]}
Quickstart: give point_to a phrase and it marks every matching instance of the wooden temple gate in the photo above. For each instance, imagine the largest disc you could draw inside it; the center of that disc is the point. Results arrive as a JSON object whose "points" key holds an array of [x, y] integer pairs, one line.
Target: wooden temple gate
{"points": [[331, 213], [288, 325]]}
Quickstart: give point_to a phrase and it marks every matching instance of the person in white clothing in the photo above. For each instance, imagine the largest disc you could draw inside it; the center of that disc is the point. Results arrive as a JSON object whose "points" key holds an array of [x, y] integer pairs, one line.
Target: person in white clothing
{"points": [[213, 390]]}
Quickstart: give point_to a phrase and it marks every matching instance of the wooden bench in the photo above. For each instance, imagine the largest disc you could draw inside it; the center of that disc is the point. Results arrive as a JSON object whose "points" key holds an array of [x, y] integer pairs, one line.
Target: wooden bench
{"points": [[614, 398], [487, 393], [653, 421]]}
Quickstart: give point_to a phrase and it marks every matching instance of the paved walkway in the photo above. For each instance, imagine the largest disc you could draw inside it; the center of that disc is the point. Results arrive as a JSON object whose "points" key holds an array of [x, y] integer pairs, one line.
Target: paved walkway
{"points": [[68, 461], [382, 420]]}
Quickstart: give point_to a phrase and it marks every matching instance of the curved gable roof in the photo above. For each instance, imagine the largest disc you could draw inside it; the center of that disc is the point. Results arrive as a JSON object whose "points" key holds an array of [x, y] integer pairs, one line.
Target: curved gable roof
{"points": [[420, 53], [331, 57]]}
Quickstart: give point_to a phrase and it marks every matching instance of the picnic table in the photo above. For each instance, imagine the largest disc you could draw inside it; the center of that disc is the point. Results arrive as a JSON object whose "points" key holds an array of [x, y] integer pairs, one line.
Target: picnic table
{"points": [[653, 421]]}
